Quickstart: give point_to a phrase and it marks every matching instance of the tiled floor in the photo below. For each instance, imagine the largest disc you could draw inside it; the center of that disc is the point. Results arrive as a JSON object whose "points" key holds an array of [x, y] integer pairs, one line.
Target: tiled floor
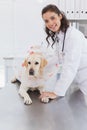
{"points": [[68, 113]]}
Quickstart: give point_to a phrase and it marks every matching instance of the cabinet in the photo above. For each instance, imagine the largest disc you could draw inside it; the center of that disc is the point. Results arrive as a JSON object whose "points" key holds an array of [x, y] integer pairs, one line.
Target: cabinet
{"points": [[75, 9]]}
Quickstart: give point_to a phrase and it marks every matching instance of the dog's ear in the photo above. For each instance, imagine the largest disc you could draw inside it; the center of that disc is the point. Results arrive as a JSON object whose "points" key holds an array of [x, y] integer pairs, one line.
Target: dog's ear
{"points": [[43, 63], [25, 63]]}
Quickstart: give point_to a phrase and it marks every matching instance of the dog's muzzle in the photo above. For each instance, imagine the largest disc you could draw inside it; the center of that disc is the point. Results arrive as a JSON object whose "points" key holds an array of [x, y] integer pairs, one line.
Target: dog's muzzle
{"points": [[31, 72]]}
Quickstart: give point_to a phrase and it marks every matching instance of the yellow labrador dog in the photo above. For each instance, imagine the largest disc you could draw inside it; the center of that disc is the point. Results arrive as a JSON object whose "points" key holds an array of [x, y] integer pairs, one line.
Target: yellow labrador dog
{"points": [[32, 76]]}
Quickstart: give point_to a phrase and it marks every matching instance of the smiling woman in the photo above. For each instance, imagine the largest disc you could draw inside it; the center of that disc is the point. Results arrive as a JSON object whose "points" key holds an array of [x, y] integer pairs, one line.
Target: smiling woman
{"points": [[71, 51]]}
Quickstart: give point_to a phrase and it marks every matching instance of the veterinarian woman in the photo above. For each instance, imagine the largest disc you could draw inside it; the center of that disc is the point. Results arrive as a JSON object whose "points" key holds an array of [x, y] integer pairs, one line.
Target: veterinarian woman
{"points": [[70, 46]]}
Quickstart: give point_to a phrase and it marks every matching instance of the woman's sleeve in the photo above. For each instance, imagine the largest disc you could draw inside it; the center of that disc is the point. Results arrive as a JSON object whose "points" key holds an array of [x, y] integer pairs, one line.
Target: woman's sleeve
{"points": [[73, 53]]}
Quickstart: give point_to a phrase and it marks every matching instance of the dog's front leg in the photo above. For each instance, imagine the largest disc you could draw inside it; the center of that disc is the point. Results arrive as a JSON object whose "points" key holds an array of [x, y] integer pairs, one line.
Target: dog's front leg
{"points": [[23, 93]]}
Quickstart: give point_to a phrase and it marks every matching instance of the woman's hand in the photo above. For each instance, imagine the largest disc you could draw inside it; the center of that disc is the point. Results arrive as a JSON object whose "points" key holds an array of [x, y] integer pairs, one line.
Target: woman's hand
{"points": [[49, 95]]}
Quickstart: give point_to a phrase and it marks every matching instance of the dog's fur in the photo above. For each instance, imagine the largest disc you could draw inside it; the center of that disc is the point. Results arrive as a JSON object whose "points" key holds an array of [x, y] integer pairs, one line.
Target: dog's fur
{"points": [[32, 76]]}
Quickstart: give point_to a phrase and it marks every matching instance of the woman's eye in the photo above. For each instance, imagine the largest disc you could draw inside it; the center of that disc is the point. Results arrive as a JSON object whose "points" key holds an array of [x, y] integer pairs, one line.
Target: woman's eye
{"points": [[46, 21], [29, 62], [52, 18], [36, 63]]}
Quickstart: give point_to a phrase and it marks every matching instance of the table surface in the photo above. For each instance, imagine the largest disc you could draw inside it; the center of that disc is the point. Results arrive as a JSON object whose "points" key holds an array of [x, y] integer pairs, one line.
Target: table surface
{"points": [[67, 113]]}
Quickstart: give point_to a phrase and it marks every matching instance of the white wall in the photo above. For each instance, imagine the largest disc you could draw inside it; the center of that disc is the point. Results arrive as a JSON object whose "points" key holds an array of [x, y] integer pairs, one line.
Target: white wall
{"points": [[6, 28], [20, 25]]}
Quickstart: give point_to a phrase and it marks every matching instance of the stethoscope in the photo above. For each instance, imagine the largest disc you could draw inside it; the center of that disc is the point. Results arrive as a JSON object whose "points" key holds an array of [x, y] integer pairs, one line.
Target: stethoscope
{"points": [[63, 41], [57, 39]]}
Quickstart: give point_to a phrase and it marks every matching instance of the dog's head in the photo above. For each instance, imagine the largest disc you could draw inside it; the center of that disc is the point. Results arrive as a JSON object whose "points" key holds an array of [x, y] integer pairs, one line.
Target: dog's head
{"points": [[35, 64]]}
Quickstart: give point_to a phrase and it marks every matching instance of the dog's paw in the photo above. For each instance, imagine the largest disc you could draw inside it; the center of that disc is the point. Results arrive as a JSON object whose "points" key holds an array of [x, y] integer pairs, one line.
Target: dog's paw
{"points": [[45, 100], [27, 101]]}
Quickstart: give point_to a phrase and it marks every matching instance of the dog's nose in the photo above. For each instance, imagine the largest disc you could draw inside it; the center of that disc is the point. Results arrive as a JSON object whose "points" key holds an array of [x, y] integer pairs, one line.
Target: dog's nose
{"points": [[31, 72]]}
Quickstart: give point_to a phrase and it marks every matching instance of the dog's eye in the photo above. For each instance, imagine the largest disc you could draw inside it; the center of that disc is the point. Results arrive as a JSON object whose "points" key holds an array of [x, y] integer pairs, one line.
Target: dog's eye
{"points": [[29, 62], [36, 63]]}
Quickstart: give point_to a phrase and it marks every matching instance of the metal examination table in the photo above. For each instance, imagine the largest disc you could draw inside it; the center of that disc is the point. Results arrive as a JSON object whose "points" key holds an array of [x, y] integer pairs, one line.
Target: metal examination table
{"points": [[68, 113]]}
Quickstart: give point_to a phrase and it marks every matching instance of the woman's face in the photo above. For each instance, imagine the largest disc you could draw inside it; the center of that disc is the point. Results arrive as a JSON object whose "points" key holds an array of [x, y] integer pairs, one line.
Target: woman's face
{"points": [[52, 21]]}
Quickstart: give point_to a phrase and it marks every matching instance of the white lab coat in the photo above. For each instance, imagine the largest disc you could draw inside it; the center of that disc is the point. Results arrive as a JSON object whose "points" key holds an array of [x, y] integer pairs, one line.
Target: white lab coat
{"points": [[74, 65]]}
